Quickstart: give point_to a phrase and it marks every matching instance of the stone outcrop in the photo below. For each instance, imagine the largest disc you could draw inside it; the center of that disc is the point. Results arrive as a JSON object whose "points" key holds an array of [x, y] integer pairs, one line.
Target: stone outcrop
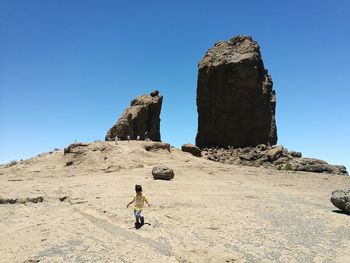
{"points": [[192, 149], [317, 166], [235, 98], [76, 148], [141, 120], [341, 199], [156, 146], [276, 157], [162, 173]]}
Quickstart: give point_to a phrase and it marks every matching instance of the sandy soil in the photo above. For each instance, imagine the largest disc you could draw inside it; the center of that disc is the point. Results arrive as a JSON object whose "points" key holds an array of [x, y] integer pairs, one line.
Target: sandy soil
{"points": [[210, 212]]}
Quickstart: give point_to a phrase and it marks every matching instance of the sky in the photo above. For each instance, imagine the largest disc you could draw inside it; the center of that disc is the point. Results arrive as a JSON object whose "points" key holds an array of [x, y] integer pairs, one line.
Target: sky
{"points": [[68, 69]]}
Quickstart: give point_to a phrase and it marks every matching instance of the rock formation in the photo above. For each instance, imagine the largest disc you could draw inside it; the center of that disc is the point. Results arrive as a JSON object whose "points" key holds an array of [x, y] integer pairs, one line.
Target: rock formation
{"points": [[276, 157], [235, 98], [141, 120]]}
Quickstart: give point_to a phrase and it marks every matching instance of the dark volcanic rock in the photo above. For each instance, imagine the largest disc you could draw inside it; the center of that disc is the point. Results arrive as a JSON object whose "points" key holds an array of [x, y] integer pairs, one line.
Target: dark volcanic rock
{"points": [[316, 166], [155, 146], [192, 149], [276, 157], [140, 119], [235, 99], [341, 199], [162, 173], [4, 200]]}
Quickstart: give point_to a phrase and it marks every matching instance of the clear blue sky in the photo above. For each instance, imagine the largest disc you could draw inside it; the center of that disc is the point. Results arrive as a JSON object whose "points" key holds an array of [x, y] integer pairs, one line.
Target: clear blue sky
{"points": [[69, 68]]}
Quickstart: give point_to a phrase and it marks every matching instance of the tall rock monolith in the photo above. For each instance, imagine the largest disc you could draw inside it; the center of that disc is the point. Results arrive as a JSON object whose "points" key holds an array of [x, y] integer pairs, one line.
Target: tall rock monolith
{"points": [[140, 120], [235, 98]]}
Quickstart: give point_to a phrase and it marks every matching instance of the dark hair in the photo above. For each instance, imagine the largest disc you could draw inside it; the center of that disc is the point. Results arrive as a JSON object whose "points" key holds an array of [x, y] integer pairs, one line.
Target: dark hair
{"points": [[138, 188]]}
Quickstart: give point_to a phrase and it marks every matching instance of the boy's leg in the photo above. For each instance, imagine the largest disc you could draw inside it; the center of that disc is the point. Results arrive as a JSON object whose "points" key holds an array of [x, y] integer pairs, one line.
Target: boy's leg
{"points": [[137, 216]]}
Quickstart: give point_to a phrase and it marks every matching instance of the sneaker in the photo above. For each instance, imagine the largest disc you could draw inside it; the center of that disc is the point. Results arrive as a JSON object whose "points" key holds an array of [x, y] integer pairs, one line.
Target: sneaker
{"points": [[142, 219]]}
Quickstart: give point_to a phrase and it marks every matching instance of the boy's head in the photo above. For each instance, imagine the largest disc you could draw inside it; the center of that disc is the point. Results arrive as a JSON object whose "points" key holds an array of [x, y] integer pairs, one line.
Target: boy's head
{"points": [[138, 188]]}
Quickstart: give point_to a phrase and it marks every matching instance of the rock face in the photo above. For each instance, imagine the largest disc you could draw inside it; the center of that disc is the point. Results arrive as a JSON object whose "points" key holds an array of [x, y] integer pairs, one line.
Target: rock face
{"points": [[140, 119], [192, 149], [341, 199], [162, 173], [235, 98]]}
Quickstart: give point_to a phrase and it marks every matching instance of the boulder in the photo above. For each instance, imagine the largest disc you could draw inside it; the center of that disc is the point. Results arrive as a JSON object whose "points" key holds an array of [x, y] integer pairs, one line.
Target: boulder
{"points": [[274, 153], [162, 173], [235, 97], [341, 199], [155, 146], [141, 120], [192, 149]]}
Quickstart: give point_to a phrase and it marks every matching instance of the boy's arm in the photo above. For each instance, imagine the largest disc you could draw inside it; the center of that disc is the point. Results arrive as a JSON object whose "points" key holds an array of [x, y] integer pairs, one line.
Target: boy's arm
{"points": [[133, 200], [147, 202]]}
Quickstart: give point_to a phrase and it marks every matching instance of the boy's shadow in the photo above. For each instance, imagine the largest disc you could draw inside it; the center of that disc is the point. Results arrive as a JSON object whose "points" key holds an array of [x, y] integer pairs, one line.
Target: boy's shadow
{"points": [[139, 225]]}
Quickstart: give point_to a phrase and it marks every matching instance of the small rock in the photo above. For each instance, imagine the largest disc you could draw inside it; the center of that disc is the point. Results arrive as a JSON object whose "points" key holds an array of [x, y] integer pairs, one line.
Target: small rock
{"points": [[69, 163], [35, 200], [162, 173], [154, 93], [261, 147], [4, 200], [192, 149], [63, 198], [295, 154]]}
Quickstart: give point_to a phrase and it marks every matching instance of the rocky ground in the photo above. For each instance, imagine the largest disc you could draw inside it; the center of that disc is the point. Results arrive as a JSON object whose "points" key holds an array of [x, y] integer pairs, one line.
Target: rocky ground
{"points": [[71, 207]]}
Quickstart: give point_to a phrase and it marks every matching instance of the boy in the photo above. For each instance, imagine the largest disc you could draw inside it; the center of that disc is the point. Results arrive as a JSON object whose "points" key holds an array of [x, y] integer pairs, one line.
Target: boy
{"points": [[139, 200]]}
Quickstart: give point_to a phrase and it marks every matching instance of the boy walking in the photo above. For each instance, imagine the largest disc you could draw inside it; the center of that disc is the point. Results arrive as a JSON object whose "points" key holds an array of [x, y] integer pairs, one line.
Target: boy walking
{"points": [[139, 200]]}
